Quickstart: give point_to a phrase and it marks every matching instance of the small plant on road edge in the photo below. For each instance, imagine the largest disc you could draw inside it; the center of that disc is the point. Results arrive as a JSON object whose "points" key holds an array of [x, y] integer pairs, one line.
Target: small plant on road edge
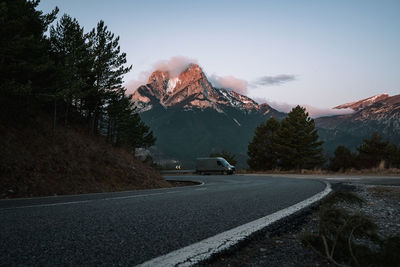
{"points": [[350, 238]]}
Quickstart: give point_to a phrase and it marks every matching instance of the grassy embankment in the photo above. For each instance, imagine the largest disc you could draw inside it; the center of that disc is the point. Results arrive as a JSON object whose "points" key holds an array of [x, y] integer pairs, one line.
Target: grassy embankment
{"points": [[37, 161]]}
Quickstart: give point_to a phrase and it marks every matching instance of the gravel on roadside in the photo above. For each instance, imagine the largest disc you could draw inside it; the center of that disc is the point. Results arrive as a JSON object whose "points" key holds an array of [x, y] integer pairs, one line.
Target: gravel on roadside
{"points": [[280, 245]]}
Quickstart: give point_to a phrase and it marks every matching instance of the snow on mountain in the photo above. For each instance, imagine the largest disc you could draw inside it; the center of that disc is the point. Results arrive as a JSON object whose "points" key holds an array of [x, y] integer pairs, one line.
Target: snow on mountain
{"points": [[363, 103]]}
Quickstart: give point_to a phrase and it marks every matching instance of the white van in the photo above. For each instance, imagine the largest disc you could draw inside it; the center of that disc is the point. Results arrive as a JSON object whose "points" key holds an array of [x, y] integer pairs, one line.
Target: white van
{"points": [[219, 165]]}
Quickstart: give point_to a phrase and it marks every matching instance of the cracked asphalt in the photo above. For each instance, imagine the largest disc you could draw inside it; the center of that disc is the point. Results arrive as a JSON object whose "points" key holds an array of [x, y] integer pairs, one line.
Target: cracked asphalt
{"points": [[128, 228]]}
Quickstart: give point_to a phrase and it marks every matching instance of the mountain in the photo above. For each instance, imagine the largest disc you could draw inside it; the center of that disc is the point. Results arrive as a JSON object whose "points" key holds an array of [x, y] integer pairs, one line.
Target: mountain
{"points": [[191, 89], [380, 113], [191, 118], [363, 103]]}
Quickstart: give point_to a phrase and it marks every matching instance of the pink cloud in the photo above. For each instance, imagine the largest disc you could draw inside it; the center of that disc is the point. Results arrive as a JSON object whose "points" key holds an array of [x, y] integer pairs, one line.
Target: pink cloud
{"points": [[229, 83], [174, 66], [132, 85], [313, 112]]}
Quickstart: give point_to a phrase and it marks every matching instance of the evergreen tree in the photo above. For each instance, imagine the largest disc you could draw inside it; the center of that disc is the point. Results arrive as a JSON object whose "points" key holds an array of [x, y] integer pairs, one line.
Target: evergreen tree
{"points": [[226, 155], [125, 127], [373, 151], [70, 50], [394, 156], [296, 142], [25, 67], [260, 149], [343, 159], [108, 71]]}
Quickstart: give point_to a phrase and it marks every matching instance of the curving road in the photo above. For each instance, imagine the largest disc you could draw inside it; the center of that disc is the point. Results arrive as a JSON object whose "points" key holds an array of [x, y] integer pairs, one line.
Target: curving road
{"points": [[128, 228]]}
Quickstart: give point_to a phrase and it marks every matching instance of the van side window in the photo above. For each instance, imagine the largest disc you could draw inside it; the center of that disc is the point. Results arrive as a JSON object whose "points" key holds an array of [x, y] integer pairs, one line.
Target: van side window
{"points": [[219, 163]]}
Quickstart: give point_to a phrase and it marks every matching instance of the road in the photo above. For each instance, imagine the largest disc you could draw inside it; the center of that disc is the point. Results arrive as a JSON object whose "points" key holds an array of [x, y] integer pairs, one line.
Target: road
{"points": [[129, 228]]}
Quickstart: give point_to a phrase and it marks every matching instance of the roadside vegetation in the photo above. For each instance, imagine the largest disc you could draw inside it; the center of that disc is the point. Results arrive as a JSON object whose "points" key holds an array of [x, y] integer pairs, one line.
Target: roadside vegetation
{"points": [[64, 110], [293, 145], [347, 237]]}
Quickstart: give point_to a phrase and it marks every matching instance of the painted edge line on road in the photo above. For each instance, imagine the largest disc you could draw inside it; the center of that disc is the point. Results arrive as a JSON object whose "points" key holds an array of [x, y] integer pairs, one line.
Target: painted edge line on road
{"points": [[204, 249], [87, 201]]}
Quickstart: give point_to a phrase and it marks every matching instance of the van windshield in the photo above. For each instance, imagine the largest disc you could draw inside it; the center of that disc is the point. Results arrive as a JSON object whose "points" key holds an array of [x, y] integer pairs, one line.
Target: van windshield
{"points": [[225, 163]]}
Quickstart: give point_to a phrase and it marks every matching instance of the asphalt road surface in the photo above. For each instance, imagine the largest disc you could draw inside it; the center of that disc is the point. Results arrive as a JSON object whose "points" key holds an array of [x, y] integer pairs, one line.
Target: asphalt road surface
{"points": [[129, 228]]}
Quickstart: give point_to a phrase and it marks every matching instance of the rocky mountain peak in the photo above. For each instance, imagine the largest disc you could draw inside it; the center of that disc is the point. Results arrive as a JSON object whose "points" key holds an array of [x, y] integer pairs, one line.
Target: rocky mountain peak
{"points": [[357, 105], [158, 76], [191, 89]]}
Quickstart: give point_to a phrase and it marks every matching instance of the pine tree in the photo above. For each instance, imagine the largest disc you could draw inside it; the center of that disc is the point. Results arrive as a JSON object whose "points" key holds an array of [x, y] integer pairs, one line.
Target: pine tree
{"points": [[108, 71], [260, 150], [25, 67], [296, 142], [70, 51], [343, 159], [373, 151], [125, 125]]}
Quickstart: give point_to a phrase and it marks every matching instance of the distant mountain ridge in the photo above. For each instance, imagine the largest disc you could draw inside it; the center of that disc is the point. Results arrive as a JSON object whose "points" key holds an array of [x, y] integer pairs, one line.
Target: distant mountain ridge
{"points": [[380, 113], [191, 118]]}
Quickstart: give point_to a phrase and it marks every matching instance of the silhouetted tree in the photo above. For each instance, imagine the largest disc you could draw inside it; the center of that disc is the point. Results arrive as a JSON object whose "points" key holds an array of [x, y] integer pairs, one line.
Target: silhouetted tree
{"points": [[70, 51], [125, 125], [260, 150], [393, 156], [25, 65], [343, 159], [297, 142], [226, 155], [108, 71], [373, 151]]}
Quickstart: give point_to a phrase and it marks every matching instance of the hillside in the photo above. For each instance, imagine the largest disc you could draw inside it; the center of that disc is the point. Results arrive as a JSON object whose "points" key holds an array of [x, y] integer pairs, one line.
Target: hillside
{"points": [[34, 162]]}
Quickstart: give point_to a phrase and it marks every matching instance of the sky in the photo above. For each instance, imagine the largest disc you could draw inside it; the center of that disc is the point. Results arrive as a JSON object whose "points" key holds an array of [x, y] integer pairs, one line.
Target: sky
{"points": [[317, 53]]}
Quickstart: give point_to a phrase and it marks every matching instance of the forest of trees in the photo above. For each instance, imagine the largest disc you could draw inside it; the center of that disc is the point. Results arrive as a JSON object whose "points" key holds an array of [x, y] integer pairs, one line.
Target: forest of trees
{"points": [[293, 144], [373, 152], [73, 76]]}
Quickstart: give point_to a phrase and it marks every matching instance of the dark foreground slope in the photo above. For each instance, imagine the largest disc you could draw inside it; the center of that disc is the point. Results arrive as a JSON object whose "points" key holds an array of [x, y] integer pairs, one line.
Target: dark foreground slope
{"points": [[36, 162]]}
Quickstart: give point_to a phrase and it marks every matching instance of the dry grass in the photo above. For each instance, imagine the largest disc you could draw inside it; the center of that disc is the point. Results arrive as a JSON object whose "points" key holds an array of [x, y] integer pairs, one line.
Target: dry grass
{"points": [[35, 162]]}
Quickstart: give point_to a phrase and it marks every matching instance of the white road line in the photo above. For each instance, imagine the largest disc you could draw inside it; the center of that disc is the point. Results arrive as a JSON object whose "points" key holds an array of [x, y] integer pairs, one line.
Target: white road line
{"points": [[202, 250], [87, 201]]}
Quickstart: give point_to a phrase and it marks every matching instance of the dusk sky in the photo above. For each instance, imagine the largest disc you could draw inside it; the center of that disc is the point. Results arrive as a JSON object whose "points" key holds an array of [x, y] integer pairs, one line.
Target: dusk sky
{"points": [[320, 53]]}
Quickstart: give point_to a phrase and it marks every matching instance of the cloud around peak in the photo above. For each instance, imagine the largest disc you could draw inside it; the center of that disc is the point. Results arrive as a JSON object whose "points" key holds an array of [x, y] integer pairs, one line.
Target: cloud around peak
{"points": [[314, 112], [175, 65], [229, 83]]}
